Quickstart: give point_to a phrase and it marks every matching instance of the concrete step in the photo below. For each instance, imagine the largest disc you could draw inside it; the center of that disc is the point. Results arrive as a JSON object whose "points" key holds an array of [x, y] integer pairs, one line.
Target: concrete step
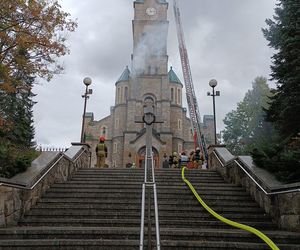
{"points": [[70, 233], [100, 195], [82, 222], [207, 186], [168, 223], [177, 202], [212, 245], [279, 237], [131, 190], [135, 214], [70, 244], [165, 207], [133, 233]]}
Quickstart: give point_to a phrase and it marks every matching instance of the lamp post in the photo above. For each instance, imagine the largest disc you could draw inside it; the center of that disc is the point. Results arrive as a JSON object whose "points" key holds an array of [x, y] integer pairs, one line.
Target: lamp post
{"points": [[87, 81], [213, 83]]}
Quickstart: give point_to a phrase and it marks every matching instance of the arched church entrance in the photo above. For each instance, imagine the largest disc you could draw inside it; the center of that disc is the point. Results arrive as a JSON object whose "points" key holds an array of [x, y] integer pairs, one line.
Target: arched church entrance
{"points": [[142, 156]]}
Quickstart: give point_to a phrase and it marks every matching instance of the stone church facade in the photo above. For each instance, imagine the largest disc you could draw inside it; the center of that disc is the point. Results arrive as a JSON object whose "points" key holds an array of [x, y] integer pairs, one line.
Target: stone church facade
{"points": [[148, 77]]}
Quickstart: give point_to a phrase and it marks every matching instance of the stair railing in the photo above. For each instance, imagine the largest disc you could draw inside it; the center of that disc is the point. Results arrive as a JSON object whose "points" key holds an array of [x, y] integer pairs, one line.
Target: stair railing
{"points": [[149, 181], [256, 183], [147, 185], [258, 233]]}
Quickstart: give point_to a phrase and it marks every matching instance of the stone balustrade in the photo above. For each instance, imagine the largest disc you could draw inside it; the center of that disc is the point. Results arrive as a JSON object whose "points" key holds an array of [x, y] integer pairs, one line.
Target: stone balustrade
{"points": [[281, 201], [19, 193]]}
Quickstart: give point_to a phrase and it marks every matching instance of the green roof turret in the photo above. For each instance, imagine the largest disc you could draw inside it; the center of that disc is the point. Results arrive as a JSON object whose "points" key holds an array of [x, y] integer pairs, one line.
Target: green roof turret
{"points": [[125, 75], [173, 77]]}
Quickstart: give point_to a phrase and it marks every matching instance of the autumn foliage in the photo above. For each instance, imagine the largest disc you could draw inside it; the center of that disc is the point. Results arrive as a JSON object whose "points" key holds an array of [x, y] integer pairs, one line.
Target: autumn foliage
{"points": [[32, 37]]}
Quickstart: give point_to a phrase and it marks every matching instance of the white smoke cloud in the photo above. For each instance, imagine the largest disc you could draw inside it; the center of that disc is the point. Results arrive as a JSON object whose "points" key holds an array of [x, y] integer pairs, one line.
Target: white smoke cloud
{"points": [[151, 45]]}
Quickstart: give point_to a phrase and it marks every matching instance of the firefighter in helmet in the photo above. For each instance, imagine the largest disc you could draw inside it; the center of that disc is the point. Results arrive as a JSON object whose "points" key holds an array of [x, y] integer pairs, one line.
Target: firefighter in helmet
{"points": [[101, 152]]}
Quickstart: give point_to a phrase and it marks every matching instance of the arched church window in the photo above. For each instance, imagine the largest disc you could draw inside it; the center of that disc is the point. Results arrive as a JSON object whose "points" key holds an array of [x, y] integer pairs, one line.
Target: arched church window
{"points": [[103, 131], [179, 124], [172, 95], [118, 95], [122, 94], [126, 93], [117, 121], [149, 100], [178, 96]]}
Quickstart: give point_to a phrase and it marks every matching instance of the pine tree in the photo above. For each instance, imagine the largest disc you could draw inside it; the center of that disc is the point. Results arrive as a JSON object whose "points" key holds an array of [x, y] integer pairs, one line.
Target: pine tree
{"points": [[283, 35]]}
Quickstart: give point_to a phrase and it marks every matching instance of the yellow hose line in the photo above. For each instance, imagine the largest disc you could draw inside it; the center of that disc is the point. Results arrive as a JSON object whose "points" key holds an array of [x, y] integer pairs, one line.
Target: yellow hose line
{"points": [[229, 222]]}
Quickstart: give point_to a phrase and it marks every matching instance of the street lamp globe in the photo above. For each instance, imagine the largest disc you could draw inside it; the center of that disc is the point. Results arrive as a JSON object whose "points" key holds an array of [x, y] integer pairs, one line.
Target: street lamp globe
{"points": [[87, 81], [213, 83]]}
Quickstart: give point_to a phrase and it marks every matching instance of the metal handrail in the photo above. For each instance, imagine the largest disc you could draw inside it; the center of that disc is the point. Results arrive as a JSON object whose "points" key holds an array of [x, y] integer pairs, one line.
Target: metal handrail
{"points": [[38, 181], [142, 218], [149, 184], [257, 184], [155, 207]]}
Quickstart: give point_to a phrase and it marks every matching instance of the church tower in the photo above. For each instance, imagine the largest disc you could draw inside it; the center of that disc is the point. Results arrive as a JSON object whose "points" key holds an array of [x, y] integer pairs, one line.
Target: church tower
{"points": [[147, 77], [150, 31]]}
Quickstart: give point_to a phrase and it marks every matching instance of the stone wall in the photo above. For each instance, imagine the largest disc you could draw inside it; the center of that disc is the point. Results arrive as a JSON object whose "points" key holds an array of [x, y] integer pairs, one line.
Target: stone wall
{"points": [[20, 193], [280, 201]]}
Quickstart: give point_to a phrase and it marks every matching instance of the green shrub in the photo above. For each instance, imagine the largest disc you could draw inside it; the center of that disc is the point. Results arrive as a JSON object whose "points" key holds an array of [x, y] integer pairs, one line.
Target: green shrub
{"points": [[15, 160], [282, 162]]}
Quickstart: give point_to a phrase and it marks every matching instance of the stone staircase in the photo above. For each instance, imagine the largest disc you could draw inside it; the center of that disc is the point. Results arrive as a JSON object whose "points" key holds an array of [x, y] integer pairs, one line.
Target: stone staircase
{"points": [[100, 209], [184, 224]]}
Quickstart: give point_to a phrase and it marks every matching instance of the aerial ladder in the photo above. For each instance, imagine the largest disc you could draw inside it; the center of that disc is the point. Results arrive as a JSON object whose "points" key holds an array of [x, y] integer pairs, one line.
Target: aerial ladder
{"points": [[188, 81]]}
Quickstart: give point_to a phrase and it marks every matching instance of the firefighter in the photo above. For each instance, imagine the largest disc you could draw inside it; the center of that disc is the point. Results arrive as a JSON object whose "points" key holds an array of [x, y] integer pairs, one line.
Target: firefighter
{"points": [[101, 152], [198, 158]]}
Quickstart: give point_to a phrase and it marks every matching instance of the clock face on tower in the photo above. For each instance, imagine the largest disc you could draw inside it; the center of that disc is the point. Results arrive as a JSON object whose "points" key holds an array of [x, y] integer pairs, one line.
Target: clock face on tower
{"points": [[151, 11]]}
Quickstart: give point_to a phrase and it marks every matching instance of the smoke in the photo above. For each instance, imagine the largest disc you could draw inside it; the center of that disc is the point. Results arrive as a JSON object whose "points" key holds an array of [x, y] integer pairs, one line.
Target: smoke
{"points": [[151, 45]]}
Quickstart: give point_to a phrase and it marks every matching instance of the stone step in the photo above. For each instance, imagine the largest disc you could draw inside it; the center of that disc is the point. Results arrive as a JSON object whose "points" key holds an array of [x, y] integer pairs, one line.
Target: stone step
{"points": [[160, 193], [165, 171], [166, 224], [133, 233], [182, 191], [99, 244], [135, 212], [212, 245], [70, 233], [208, 186], [228, 235], [128, 206], [70, 244], [175, 202], [141, 176], [82, 222], [174, 181], [98, 195]]}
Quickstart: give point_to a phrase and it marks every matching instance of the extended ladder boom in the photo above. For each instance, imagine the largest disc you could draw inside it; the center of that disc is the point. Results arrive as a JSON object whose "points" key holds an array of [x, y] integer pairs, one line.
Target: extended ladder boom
{"points": [[190, 92]]}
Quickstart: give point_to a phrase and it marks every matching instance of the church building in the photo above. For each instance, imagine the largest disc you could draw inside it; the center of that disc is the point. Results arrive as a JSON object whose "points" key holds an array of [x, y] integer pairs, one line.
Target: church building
{"points": [[147, 77]]}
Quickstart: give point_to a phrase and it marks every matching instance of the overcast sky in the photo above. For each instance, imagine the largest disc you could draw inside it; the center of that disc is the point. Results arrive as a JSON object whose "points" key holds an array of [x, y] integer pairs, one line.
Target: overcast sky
{"points": [[223, 39]]}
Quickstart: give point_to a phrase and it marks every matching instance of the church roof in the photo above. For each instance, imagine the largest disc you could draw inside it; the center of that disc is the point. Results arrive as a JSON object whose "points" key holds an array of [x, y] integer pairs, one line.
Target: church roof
{"points": [[125, 75], [173, 77], [159, 1]]}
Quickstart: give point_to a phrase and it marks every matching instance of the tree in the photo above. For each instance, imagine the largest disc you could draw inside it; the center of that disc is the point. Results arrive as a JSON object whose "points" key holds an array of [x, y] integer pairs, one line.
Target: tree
{"points": [[32, 37], [246, 127], [283, 35]]}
